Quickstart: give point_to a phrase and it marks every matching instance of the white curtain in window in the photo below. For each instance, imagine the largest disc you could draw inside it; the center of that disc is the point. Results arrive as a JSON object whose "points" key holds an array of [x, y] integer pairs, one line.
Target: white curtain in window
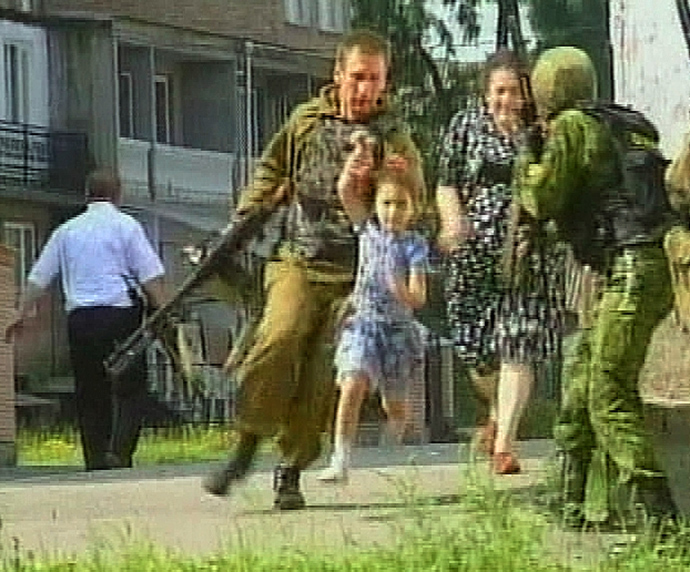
{"points": [[299, 12], [333, 15]]}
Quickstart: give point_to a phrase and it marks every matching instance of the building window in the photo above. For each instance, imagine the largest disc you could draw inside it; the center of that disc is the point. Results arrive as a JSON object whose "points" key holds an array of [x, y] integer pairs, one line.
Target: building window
{"points": [[25, 5], [334, 15], [21, 236], [16, 62], [163, 109], [126, 103], [299, 12]]}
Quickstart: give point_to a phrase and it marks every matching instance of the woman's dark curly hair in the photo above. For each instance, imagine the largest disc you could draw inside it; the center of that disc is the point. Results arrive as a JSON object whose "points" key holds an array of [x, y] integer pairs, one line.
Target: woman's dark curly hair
{"points": [[503, 59]]}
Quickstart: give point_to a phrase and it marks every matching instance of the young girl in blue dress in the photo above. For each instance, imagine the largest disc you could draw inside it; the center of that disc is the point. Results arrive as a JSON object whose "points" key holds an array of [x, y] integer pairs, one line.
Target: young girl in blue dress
{"points": [[380, 345]]}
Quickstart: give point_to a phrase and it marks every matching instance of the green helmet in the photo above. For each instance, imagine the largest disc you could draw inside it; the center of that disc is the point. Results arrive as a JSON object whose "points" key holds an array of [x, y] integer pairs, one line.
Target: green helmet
{"points": [[561, 77]]}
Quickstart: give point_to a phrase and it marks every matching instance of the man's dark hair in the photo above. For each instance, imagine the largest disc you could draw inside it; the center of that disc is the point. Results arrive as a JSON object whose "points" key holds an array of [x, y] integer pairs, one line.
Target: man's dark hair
{"points": [[367, 41], [503, 59], [103, 184]]}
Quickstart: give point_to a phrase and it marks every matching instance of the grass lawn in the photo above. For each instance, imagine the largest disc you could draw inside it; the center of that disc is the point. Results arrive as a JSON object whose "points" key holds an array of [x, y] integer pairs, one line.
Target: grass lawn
{"points": [[186, 444], [488, 530]]}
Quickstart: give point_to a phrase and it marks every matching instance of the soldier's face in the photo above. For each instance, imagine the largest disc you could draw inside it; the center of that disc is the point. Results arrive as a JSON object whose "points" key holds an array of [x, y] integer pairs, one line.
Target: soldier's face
{"points": [[504, 98], [361, 80]]}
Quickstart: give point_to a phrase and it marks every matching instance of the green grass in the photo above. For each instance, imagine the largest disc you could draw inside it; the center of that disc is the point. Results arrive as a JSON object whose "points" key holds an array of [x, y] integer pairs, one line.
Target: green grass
{"points": [[487, 531], [186, 444]]}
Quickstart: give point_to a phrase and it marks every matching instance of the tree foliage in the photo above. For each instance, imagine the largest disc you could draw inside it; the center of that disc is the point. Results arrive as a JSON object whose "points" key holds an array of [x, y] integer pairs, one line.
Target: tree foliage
{"points": [[428, 85]]}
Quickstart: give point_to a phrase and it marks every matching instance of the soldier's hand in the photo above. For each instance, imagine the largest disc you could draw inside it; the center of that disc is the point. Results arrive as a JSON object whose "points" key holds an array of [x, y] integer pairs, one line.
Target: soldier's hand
{"points": [[358, 167], [360, 162], [532, 140]]}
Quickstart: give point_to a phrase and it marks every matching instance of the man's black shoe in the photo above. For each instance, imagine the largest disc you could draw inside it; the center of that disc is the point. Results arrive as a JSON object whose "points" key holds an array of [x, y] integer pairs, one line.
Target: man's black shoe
{"points": [[114, 462]]}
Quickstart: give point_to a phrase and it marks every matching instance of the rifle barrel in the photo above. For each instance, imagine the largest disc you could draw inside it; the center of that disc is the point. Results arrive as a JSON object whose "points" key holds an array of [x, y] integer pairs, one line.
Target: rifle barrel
{"points": [[232, 239]]}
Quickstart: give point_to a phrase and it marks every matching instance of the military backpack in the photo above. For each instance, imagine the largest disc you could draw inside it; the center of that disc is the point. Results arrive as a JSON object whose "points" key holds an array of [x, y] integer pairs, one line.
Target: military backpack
{"points": [[635, 208]]}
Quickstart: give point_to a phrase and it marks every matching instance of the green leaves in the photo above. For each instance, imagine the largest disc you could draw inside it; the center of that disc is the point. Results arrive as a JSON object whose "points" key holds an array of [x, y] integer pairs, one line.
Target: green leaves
{"points": [[428, 85]]}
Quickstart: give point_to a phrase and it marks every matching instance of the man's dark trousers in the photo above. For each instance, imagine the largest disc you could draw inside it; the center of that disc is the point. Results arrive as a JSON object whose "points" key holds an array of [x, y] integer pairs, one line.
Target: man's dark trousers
{"points": [[109, 417]]}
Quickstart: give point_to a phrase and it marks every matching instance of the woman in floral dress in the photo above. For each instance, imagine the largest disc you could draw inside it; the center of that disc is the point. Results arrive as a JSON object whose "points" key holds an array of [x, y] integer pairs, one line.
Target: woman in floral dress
{"points": [[500, 332]]}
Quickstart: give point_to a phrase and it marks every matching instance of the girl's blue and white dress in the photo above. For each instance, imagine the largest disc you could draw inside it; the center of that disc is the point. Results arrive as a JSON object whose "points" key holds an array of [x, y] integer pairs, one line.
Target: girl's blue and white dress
{"points": [[380, 338]]}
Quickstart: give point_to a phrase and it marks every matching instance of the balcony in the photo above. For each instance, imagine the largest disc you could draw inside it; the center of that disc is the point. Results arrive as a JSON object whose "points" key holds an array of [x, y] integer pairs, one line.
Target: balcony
{"points": [[37, 158], [179, 174]]}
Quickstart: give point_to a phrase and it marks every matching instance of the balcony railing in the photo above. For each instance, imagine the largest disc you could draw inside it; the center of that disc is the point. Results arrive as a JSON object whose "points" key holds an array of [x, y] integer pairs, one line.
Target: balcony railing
{"points": [[39, 158], [180, 174]]}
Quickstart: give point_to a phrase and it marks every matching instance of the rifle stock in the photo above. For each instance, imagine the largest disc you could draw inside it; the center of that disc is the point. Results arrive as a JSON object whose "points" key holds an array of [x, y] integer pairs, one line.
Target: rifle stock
{"points": [[232, 239]]}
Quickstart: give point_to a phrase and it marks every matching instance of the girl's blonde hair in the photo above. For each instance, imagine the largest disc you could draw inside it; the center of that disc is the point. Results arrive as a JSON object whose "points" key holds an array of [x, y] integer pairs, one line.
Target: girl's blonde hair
{"points": [[678, 178], [407, 180]]}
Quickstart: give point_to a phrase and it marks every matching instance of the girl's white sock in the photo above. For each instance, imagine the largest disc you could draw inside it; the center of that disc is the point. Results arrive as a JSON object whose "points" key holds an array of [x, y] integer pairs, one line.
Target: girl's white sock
{"points": [[342, 452]]}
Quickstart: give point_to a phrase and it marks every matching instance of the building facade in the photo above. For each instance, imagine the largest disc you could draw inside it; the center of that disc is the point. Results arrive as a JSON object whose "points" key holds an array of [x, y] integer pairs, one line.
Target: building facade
{"points": [[178, 97]]}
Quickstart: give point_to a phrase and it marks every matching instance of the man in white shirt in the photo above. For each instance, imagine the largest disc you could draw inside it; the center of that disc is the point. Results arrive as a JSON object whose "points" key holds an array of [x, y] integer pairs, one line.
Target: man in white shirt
{"points": [[99, 256]]}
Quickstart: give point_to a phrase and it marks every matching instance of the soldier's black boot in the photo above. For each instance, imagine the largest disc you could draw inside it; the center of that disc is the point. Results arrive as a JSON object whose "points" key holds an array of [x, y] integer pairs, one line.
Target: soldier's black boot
{"points": [[218, 482], [654, 496], [286, 487]]}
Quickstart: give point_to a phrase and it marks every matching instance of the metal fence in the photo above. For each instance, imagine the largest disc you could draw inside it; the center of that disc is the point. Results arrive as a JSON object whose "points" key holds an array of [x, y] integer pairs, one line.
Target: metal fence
{"points": [[37, 157]]}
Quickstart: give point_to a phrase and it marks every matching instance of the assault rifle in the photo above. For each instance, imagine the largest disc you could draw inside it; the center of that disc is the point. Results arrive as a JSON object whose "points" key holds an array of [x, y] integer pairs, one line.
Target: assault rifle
{"points": [[220, 260]]}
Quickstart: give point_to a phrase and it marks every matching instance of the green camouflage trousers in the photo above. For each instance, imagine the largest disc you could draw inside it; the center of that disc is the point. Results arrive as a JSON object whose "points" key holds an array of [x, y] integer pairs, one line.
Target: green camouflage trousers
{"points": [[601, 422]]}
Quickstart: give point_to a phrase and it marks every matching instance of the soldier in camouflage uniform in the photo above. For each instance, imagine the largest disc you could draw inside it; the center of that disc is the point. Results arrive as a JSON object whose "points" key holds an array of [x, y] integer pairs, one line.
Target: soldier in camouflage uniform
{"points": [[601, 428], [286, 385]]}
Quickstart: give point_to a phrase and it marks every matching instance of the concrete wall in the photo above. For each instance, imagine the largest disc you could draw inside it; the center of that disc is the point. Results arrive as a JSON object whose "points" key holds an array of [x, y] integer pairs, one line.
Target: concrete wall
{"points": [[7, 415], [82, 76], [652, 66]]}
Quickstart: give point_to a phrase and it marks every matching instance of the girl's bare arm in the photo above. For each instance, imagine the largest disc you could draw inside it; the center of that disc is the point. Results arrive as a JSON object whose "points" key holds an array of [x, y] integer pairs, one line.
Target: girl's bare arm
{"points": [[411, 292]]}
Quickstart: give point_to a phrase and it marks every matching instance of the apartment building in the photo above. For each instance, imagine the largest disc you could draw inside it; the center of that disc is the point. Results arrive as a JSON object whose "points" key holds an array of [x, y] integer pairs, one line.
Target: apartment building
{"points": [[179, 97], [42, 169]]}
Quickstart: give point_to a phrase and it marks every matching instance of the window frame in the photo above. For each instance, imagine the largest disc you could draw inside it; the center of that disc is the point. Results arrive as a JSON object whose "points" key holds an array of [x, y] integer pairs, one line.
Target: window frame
{"points": [[300, 12], [167, 81], [24, 257], [332, 15], [125, 77], [17, 81]]}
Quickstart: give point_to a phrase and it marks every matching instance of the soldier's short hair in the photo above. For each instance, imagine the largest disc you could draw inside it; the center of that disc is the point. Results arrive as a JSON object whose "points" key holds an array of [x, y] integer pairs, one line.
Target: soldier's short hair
{"points": [[367, 41]]}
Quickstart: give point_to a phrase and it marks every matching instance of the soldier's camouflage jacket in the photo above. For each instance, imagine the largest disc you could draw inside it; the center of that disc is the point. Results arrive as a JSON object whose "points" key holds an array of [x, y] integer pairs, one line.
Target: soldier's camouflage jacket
{"points": [[309, 152]]}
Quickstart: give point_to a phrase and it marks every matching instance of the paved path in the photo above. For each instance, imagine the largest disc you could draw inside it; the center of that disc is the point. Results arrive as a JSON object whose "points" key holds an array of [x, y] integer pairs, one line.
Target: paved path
{"points": [[67, 511]]}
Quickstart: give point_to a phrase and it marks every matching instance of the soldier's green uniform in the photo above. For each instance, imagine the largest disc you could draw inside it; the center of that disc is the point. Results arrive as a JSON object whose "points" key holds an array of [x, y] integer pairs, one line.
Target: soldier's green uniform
{"points": [[600, 427]]}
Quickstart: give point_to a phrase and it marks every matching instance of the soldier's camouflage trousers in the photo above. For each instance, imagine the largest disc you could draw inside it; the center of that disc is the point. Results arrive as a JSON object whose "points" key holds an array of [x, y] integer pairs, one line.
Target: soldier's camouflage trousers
{"points": [[601, 424]]}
